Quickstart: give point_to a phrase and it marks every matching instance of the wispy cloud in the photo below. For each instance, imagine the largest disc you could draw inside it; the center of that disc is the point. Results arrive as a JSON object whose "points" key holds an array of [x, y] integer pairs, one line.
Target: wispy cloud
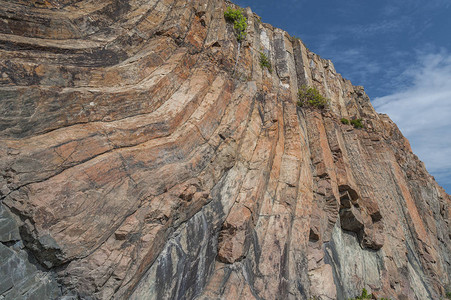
{"points": [[422, 110], [380, 27], [359, 65]]}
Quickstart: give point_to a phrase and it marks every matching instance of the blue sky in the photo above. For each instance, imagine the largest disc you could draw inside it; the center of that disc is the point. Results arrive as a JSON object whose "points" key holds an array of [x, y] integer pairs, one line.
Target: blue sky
{"points": [[399, 50]]}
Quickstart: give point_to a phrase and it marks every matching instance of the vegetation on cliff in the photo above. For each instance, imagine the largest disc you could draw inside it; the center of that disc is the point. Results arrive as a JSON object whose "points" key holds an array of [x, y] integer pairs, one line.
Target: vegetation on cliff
{"points": [[310, 96], [264, 62], [365, 295], [153, 161], [239, 22], [357, 123], [344, 121]]}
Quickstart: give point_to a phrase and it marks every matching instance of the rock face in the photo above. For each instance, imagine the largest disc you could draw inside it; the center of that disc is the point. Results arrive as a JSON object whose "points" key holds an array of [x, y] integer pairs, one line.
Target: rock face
{"points": [[146, 154]]}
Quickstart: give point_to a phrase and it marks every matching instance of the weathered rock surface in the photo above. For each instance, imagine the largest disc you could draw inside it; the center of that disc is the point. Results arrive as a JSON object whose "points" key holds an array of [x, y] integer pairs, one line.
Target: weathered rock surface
{"points": [[145, 154]]}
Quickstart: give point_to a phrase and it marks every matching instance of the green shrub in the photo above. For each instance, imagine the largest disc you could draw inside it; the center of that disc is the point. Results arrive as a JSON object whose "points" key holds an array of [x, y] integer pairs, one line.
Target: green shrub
{"points": [[239, 22], [363, 296], [264, 62], [357, 123], [448, 295], [344, 121], [310, 96], [232, 14]]}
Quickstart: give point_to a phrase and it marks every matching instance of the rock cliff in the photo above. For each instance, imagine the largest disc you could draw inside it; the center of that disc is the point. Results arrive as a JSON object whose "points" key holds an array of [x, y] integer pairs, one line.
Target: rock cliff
{"points": [[146, 154]]}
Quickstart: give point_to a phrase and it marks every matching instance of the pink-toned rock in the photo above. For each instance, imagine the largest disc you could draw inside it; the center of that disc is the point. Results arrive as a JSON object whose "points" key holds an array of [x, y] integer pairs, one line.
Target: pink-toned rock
{"points": [[322, 284], [232, 237], [146, 154]]}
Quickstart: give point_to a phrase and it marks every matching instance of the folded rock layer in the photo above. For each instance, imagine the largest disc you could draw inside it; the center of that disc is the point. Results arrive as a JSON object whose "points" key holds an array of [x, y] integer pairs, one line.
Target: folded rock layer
{"points": [[146, 154]]}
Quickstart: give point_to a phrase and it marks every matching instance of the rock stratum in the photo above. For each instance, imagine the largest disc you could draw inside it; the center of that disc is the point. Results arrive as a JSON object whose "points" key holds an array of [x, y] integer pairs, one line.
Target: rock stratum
{"points": [[146, 154]]}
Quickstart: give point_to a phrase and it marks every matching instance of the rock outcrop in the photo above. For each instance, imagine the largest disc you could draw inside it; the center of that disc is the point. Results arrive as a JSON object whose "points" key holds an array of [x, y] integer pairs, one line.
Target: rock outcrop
{"points": [[146, 154]]}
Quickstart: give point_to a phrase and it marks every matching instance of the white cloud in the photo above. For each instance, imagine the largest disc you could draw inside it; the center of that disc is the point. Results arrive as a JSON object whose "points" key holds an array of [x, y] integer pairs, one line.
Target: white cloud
{"points": [[422, 111], [380, 27]]}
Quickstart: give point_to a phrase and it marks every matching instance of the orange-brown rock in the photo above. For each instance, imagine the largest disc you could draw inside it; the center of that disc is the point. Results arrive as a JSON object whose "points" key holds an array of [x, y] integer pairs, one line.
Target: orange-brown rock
{"points": [[146, 154]]}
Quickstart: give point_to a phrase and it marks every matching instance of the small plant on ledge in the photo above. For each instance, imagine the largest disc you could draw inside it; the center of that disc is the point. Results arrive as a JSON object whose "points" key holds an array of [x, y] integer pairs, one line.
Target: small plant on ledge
{"points": [[364, 295], [239, 22], [264, 62], [310, 96], [357, 123], [344, 121]]}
